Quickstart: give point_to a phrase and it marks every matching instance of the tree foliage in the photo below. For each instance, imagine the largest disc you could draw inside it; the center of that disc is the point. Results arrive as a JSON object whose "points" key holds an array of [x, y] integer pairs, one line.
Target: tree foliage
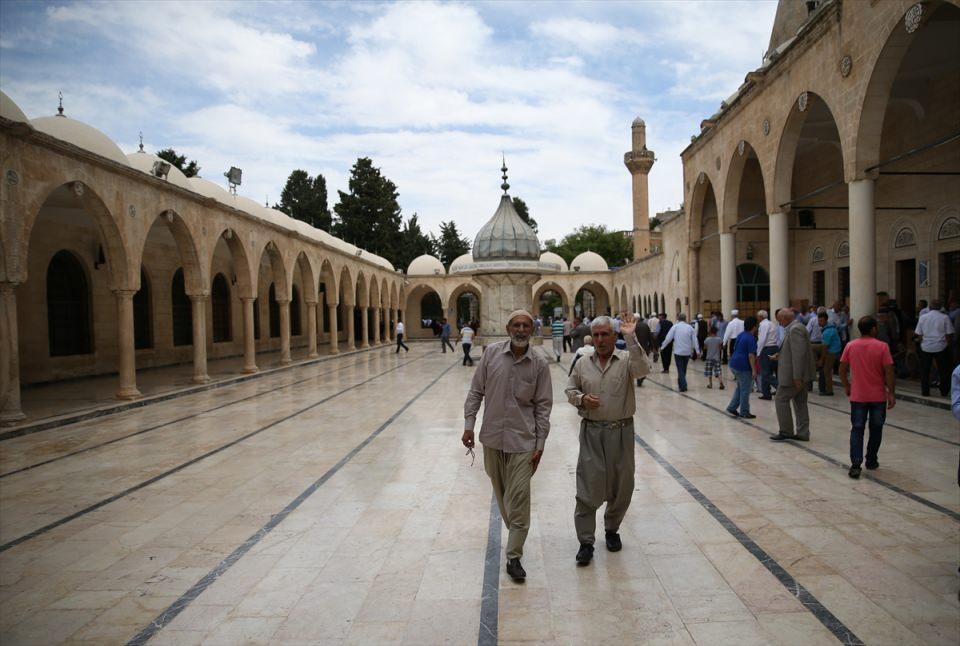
{"points": [[450, 244], [614, 246], [524, 212], [369, 215], [304, 198], [413, 242], [190, 169]]}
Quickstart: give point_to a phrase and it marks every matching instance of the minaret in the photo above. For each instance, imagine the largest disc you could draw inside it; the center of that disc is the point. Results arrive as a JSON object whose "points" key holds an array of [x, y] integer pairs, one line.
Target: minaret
{"points": [[639, 161]]}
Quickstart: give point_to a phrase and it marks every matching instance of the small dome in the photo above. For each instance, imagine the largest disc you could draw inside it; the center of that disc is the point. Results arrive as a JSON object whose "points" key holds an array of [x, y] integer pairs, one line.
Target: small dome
{"points": [[82, 136], [145, 161], [425, 265], [10, 110], [379, 260], [209, 189], [506, 236], [589, 261], [554, 259], [638, 122], [465, 259]]}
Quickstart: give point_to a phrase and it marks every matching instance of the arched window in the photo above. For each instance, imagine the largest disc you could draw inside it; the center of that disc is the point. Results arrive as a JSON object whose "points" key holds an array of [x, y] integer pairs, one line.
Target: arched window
{"points": [[679, 310], [468, 307], [296, 329], [68, 306], [548, 303], [256, 319], [430, 307], [274, 308], [182, 312], [324, 307], [656, 304], [142, 315], [753, 283], [220, 302], [663, 303], [905, 238]]}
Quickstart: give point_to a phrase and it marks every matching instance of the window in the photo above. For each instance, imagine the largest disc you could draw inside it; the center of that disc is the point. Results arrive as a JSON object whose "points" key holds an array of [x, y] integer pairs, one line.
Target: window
{"points": [[220, 302], [753, 283], [142, 319], [296, 327], [274, 312], [68, 306], [325, 309], [182, 312]]}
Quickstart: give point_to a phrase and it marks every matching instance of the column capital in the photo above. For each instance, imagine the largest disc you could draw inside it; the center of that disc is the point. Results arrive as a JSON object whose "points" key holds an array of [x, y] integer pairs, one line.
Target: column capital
{"points": [[8, 287], [198, 297], [125, 293], [283, 301], [248, 298], [311, 303]]}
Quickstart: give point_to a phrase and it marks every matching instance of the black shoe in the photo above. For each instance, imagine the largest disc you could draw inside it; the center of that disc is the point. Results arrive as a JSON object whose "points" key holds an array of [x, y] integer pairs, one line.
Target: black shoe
{"points": [[871, 466], [780, 437], [664, 370], [765, 397], [733, 413], [584, 554], [515, 570], [854, 472], [748, 416], [614, 544]]}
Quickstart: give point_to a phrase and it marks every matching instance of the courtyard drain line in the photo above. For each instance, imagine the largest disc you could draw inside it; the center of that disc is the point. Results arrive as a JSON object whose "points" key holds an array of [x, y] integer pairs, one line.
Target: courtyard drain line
{"points": [[178, 606], [126, 492]]}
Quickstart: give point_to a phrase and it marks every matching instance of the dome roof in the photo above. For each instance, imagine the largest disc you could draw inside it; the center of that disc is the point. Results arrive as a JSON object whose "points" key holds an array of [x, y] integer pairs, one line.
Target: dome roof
{"points": [[460, 261], [144, 162], [589, 261], [639, 122], [10, 110], [554, 259], [82, 136], [209, 189], [425, 265], [505, 235]]}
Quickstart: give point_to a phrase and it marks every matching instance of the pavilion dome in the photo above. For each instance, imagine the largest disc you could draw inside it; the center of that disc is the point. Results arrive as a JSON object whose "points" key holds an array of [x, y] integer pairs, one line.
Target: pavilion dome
{"points": [[506, 236], [460, 262], [589, 261], [82, 136], [426, 265], [554, 259], [209, 189], [144, 162], [10, 110]]}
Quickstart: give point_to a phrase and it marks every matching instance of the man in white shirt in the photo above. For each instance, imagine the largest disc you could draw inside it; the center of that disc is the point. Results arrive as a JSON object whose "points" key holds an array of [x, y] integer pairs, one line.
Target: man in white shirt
{"points": [[768, 341], [654, 324], [935, 333], [732, 331], [399, 330], [685, 346]]}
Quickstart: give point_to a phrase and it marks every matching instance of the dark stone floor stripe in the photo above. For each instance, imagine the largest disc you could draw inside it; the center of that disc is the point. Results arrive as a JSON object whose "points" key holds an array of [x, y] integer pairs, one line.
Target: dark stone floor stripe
{"points": [[197, 589], [892, 487], [810, 602], [490, 602], [179, 419], [191, 462], [888, 424]]}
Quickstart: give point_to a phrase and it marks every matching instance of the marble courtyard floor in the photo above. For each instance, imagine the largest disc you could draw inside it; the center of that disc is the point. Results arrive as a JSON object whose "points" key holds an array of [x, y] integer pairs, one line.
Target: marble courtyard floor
{"points": [[332, 503]]}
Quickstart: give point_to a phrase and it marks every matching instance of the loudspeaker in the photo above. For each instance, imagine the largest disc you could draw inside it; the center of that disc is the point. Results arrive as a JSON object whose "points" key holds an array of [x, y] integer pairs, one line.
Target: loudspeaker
{"points": [[806, 220]]}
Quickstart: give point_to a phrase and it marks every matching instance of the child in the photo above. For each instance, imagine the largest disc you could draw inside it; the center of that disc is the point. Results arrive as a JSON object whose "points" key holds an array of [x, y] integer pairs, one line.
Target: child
{"points": [[712, 347]]}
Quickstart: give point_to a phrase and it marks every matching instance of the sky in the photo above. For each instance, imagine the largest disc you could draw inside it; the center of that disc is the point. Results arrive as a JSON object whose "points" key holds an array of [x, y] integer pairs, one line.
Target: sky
{"points": [[433, 92]]}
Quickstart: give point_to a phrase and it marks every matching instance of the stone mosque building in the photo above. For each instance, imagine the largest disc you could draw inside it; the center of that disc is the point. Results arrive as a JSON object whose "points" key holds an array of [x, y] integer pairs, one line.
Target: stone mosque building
{"points": [[830, 174]]}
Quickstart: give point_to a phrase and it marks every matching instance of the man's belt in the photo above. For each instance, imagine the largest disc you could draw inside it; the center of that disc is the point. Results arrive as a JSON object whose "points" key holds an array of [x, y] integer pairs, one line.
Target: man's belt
{"points": [[619, 423]]}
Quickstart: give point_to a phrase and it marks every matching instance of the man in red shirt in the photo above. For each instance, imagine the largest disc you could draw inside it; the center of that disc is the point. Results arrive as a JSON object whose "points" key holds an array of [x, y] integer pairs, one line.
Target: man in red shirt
{"points": [[871, 393]]}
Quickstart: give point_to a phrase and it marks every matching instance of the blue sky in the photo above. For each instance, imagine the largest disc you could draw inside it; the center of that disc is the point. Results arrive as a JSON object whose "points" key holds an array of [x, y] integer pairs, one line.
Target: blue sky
{"points": [[433, 92]]}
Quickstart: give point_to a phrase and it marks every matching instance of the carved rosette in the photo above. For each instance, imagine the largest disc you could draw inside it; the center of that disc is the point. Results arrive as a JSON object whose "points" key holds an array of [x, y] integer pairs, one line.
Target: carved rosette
{"points": [[741, 147], [802, 102], [911, 20], [78, 189], [766, 127], [702, 178], [846, 65]]}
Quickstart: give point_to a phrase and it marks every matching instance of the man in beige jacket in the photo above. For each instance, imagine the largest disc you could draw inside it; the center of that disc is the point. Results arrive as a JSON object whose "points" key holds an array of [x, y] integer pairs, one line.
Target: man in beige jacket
{"points": [[796, 367]]}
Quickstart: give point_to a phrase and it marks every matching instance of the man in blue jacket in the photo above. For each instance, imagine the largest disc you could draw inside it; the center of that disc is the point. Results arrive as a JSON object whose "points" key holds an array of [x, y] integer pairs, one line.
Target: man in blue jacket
{"points": [[830, 338]]}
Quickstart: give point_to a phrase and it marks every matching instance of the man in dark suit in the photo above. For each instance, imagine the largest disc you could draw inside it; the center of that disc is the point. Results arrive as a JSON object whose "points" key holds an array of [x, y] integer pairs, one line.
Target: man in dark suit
{"points": [[796, 367], [644, 338], [666, 354]]}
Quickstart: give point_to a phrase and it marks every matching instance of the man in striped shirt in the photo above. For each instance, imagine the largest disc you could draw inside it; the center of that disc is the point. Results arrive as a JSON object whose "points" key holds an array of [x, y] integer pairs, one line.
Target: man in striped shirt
{"points": [[556, 333]]}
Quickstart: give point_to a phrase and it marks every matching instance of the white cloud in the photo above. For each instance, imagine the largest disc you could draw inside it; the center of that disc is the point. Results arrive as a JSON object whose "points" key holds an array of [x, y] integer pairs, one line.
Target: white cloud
{"points": [[586, 36]]}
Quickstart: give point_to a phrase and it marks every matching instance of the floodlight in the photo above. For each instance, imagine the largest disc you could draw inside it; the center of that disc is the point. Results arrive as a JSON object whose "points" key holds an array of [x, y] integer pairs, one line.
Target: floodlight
{"points": [[161, 169], [233, 178]]}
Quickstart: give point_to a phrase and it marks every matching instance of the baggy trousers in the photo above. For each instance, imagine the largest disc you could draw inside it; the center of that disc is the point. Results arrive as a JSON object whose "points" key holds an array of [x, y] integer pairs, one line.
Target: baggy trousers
{"points": [[510, 475], [604, 474], [786, 394]]}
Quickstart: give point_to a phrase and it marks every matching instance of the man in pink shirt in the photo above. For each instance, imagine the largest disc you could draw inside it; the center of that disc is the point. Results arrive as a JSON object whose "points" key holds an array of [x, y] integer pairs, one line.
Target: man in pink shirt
{"points": [[871, 392]]}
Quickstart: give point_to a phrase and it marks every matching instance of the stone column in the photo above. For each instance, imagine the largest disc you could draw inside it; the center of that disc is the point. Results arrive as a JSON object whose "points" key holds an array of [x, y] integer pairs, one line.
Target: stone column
{"points": [[693, 280], [779, 262], [312, 330], [284, 306], [249, 343], [863, 249], [199, 305], [728, 273], [376, 326], [348, 314], [364, 328], [127, 353], [388, 325], [639, 161], [334, 341], [10, 411]]}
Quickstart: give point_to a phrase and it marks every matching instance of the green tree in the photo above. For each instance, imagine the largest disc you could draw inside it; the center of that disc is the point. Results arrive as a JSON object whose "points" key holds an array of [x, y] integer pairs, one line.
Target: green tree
{"points": [[450, 245], [190, 169], [369, 215], [521, 208], [413, 242], [304, 198], [615, 247]]}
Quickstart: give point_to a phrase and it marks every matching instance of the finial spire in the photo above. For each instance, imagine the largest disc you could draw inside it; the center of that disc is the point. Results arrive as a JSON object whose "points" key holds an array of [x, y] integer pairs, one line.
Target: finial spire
{"points": [[141, 142], [503, 169], [60, 106]]}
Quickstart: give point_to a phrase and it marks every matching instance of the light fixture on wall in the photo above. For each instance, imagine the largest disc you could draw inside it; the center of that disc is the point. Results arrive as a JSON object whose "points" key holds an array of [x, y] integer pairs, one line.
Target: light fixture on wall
{"points": [[749, 251], [160, 169], [101, 259]]}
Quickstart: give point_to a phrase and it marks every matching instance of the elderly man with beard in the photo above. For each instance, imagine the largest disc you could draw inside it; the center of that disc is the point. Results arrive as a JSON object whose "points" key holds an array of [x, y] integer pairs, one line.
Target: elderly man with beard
{"points": [[515, 382], [601, 387]]}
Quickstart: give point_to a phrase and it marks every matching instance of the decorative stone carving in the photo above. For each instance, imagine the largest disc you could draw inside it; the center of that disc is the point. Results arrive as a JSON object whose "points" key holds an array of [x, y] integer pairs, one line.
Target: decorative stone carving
{"points": [[702, 178], [741, 147], [843, 251], [912, 18], [766, 127], [132, 210], [949, 229], [78, 189], [905, 238], [12, 178], [819, 255], [802, 102], [718, 163], [846, 65]]}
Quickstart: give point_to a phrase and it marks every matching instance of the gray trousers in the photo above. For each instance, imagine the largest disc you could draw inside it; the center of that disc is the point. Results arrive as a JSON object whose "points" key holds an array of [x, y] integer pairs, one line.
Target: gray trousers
{"points": [[787, 393], [604, 474], [510, 475]]}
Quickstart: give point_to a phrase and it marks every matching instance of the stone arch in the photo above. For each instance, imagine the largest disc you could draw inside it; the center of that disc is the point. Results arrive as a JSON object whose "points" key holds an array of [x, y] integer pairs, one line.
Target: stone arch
{"points": [[551, 286], [241, 261], [415, 294], [308, 279], [362, 294], [454, 299], [703, 185], [347, 289], [599, 292], [733, 181], [194, 274], [278, 268]]}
